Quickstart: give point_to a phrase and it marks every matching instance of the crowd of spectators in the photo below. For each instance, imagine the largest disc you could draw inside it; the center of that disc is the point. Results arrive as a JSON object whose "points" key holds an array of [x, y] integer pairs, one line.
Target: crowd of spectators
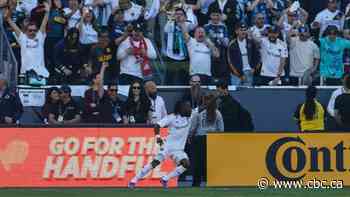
{"points": [[244, 42]]}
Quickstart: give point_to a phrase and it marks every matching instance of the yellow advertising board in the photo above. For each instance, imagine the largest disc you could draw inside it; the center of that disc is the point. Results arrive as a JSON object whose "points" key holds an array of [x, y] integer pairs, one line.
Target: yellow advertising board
{"points": [[243, 159]]}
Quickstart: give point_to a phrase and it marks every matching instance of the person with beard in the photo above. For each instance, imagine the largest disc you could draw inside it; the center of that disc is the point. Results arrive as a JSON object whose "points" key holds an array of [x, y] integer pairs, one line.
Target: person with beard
{"points": [[157, 102], [274, 53], [304, 55], [103, 52], [68, 58], [194, 94]]}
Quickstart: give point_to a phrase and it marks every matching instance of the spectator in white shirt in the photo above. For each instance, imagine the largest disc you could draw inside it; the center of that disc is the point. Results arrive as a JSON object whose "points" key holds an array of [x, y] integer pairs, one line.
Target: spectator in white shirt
{"points": [[304, 56], [200, 50], [175, 48], [259, 30], [335, 94], [72, 13], [329, 16], [135, 54], [274, 54], [88, 34], [27, 6], [32, 44], [132, 11], [157, 102]]}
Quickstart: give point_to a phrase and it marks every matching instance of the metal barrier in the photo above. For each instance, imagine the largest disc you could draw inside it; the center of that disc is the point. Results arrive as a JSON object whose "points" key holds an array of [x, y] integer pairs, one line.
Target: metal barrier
{"points": [[8, 63]]}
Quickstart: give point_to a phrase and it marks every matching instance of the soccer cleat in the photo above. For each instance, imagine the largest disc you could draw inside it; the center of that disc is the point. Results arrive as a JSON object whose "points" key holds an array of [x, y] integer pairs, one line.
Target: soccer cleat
{"points": [[131, 185], [164, 183]]}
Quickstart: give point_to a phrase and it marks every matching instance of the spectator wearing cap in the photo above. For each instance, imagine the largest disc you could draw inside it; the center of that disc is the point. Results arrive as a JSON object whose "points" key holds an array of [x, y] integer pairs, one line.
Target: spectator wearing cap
{"points": [[93, 98], [32, 44], [175, 49], [10, 104], [158, 107], [201, 50], [332, 49], [329, 16], [217, 33], [103, 52], [228, 10], [72, 13], [274, 54], [243, 57], [66, 111], [135, 54], [304, 55]]}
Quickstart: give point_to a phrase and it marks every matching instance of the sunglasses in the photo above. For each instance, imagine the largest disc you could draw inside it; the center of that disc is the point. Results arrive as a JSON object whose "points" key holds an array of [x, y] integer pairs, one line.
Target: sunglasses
{"points": [[136, 87]]}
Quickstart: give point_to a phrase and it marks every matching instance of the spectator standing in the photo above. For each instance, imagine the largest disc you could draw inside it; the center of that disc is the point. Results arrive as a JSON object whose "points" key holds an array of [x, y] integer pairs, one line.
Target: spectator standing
{"points": [[263, 7], [118, 28], [259, 30], [32, 44], [93, 98], [102, 52], [175, 49], [330, 16], [336, 93], [217, 33], [210, 119], [201, 49], [72, 13], [137, 109], [10, 104], [341, 108], [132, 11], [310, 115], [68, 60], [88, 32], [194, 94], [273, 53], [243, 58], [102, 10], [158, 107], [228, 10], [304, 55], [55, 32], [52, 98], [66, 111], [332, 49], [135, 54], [236, 118]]}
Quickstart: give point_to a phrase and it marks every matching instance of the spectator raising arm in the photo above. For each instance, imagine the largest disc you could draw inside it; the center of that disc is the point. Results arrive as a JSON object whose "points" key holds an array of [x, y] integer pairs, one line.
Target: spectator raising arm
{"points": [[46, 17], [7, 17]]}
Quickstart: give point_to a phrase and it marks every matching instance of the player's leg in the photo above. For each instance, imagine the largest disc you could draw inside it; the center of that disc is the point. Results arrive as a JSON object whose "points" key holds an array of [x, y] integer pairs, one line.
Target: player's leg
{"points": [[148, 168], [183, 164]]}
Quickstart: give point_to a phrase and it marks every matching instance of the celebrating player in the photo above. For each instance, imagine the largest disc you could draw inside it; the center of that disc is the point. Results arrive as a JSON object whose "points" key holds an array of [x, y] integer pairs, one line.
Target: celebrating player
{"points": [[179, 125]]}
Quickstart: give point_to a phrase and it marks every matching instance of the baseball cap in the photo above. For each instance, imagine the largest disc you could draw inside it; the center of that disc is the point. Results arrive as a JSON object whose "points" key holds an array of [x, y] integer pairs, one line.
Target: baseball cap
{"points": [[66, 89], [137, 27]]}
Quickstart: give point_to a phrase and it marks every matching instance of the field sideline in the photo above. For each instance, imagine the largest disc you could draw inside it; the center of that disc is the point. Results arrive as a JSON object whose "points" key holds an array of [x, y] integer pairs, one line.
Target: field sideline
{"points": [[183, 192]]}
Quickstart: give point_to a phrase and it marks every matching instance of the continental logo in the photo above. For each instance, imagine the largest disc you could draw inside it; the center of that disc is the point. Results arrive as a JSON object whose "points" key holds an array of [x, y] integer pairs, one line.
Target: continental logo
{"points": [[290, 159]]}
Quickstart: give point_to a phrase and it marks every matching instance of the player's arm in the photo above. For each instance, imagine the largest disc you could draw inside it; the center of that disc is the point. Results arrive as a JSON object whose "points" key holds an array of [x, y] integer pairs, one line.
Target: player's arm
{"points": [[157, 134]]}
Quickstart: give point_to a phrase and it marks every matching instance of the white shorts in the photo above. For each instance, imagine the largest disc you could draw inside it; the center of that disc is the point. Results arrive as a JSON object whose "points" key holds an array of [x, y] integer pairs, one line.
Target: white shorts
{"points": [[175, 155]]}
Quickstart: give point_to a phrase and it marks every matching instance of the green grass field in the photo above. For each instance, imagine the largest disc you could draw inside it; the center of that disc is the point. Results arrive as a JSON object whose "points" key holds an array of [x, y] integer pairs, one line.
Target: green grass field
{"points": [[188, 192]]}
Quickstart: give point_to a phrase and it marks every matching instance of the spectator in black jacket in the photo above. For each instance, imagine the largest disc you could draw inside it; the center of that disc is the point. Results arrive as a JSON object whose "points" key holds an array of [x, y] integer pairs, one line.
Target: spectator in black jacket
{"points": [[10, 104], [236, 118], [243, 57], [112, 106]]}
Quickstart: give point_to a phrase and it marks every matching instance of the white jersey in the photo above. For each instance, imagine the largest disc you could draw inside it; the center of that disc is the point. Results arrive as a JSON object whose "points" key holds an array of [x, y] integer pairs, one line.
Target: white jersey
{"points": [[179, 128]]}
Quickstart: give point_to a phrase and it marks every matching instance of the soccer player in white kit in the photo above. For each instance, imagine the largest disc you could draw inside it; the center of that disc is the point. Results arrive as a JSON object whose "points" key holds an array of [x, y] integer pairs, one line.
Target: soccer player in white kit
{"points": [[179, 125]]}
